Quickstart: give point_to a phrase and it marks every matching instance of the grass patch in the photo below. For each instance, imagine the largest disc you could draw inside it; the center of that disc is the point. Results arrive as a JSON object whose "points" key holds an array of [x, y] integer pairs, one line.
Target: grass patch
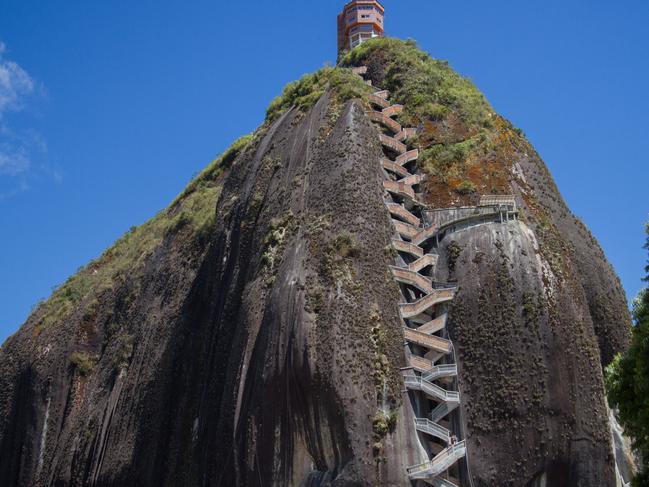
{"points": [[194, 208], [124, 342], [273, 244], [83, 362], [466, 187], [427, 87], [446, 160], [337, 261], [380, 424], [305, 92], [345, 246]]}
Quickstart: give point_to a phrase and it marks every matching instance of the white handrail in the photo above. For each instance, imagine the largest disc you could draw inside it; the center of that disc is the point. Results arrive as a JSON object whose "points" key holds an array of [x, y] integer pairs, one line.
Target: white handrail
{"points": [[441, 410], [431, 389], [440, 463], [427, 426], [440, 371]]}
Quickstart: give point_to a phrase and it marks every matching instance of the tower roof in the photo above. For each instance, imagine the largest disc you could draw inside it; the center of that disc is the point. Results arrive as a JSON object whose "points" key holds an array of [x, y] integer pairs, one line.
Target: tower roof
{"points": [[352, 2]]}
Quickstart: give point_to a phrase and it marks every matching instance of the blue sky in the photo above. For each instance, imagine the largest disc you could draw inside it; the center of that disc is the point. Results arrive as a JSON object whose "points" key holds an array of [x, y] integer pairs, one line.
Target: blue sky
{"points": [[107, 109]]}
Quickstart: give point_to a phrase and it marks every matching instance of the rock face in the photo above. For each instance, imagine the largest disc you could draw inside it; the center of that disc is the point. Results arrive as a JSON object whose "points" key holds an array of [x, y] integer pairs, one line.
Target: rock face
{"points": [[263, 346]]}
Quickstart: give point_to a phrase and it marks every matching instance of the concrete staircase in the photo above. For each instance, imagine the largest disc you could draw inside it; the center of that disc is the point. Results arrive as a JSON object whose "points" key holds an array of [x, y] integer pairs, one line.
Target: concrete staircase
{"points": [[423, 305]]}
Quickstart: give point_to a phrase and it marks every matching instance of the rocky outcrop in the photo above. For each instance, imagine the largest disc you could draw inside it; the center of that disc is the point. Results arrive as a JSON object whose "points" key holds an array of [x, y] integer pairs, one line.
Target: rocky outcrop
{"points": [[251, 333], [271, 355], [531, 323]]}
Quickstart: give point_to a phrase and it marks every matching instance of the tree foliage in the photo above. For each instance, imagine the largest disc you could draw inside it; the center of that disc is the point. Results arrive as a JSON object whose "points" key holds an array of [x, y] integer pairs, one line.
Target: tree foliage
{"points": [[627, 381]]}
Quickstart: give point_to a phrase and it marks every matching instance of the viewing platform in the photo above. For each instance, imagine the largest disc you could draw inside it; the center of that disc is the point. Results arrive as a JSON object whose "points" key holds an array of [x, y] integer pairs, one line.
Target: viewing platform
{"points": [[496, 208]]}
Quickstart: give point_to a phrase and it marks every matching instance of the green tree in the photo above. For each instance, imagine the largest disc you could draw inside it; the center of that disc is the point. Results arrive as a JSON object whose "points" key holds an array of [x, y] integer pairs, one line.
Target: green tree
{"points": [[627, 380]]}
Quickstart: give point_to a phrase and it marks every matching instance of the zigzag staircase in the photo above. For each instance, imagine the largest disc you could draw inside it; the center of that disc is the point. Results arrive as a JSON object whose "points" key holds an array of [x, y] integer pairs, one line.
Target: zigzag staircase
{"points": [[432, 373]]}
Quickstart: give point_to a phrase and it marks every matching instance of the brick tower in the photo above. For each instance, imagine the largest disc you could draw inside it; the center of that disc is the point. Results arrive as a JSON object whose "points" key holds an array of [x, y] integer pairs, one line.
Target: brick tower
{"points": [[360, 20]]}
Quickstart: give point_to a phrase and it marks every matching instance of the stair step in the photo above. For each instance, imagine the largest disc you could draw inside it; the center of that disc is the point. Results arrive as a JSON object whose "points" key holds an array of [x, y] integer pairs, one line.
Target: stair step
{"points": [[412, 179], [392, 143], [383, 94], [406, 157], [420, 364], [442, 410], [401, 212], [433, 429], [377, 100], [444, 460], [432, 390], [433, 326], [393, 110], [436, 448], [381, 118], [399, 189], [407, 248], [423, 262], [415, 308], [404, 229], [393, 167], [406, 133], [430, 342], [425, 234], [440, 372], [440, 482], [411, 278]]}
